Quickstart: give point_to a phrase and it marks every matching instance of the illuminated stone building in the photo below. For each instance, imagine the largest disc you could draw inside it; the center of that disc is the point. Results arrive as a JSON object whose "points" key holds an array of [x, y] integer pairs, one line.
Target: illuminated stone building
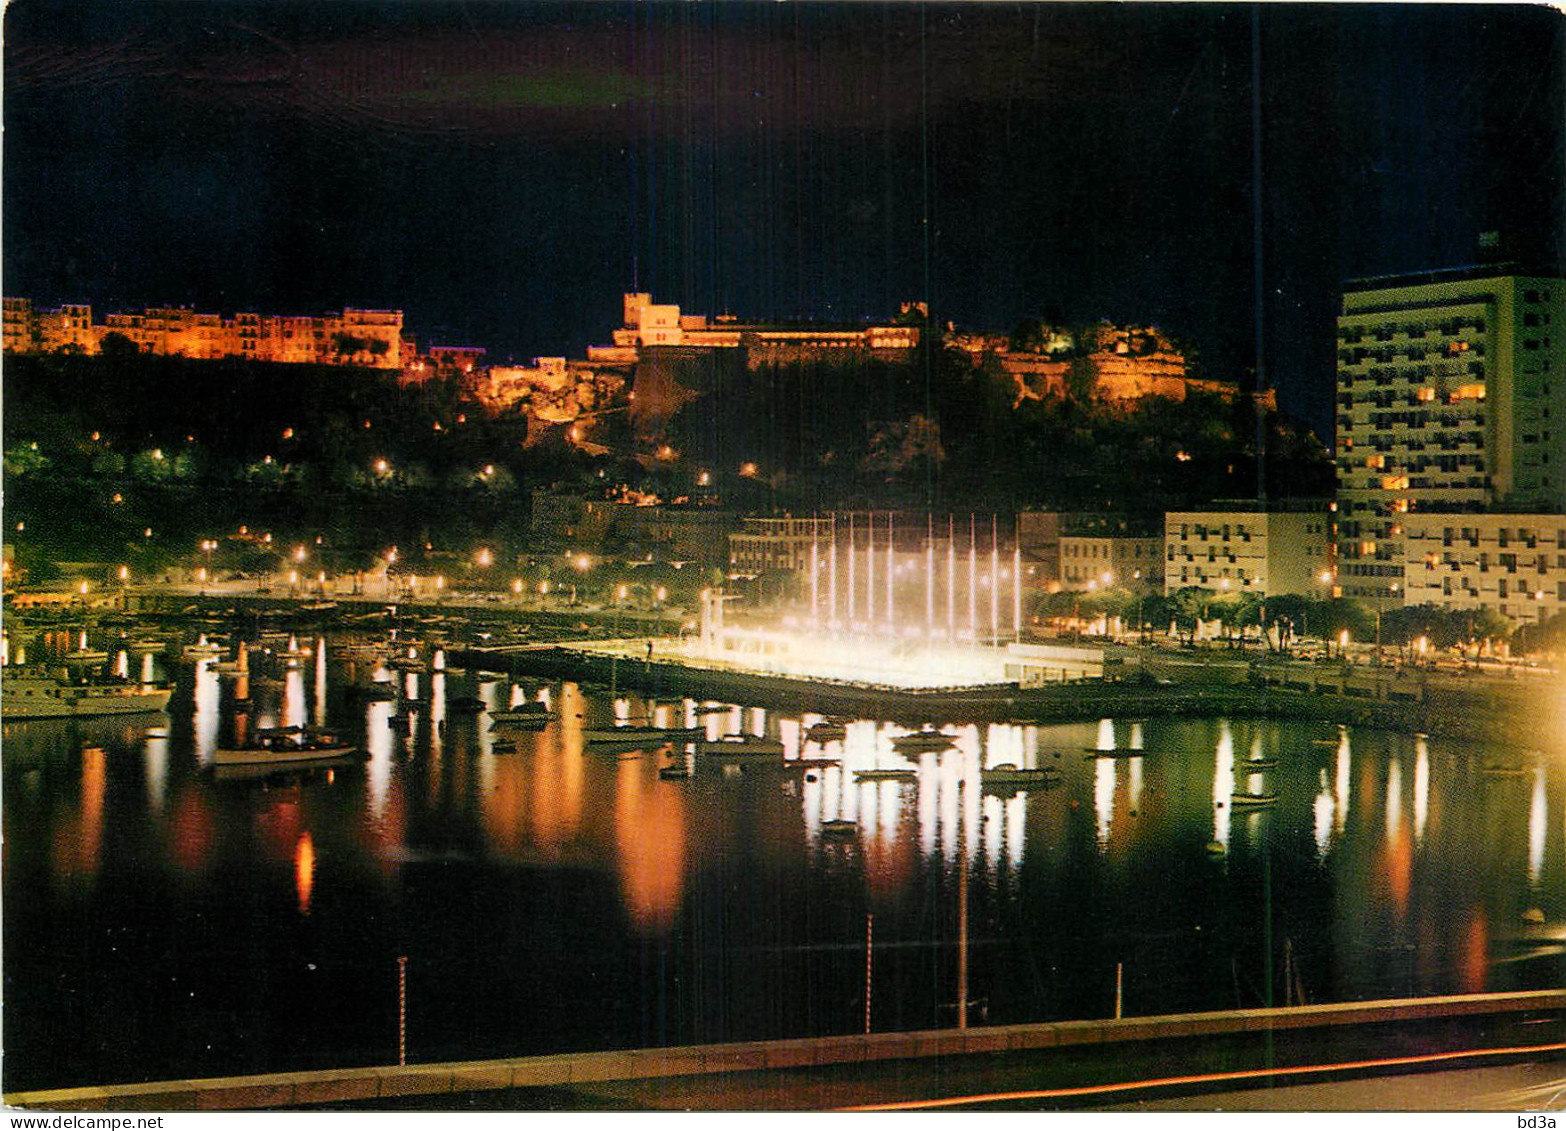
{"points": [[649, 325], [349, 337], [1115, 364]]}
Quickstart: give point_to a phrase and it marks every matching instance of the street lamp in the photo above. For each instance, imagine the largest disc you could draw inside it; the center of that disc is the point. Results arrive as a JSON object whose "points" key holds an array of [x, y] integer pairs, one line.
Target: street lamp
{"points": [[1136, 575]]}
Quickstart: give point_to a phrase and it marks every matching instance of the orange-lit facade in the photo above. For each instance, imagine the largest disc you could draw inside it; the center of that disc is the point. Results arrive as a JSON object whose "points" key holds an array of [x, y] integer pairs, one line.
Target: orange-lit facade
{"points": [[1117, 363], [371, 338], [647, 324]]}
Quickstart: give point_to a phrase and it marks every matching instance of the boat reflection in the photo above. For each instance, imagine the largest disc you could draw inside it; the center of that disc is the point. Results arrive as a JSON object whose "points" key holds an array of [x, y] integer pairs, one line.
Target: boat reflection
{"points": [[465, 840]]}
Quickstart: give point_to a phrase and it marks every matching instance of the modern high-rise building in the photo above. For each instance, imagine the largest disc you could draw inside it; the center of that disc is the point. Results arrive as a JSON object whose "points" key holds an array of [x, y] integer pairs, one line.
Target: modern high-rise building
{"points": [[1451, 398]]}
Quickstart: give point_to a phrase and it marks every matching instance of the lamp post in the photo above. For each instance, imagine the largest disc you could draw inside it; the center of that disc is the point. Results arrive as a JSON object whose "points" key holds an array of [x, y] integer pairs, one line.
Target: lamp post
{"points": [[1136, 576]]}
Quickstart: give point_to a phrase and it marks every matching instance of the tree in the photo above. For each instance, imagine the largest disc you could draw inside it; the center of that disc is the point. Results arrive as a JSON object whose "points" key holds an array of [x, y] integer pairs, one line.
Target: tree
{"points": [[1188, 606], [1027, 336], [152, 465], [1290, 613], [1081, 380], [1485, 626], [347, 345], [24, 459], [117, 347]]}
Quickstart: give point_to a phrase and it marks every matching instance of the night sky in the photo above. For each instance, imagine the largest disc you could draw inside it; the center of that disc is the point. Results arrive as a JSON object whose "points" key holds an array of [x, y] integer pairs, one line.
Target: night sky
{"points": [[502, 172]]}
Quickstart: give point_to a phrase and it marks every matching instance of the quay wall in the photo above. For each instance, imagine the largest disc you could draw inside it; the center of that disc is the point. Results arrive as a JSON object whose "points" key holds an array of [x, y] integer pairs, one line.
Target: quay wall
{"points": [[1529, 711], [1528, 707], [349, 1085]]}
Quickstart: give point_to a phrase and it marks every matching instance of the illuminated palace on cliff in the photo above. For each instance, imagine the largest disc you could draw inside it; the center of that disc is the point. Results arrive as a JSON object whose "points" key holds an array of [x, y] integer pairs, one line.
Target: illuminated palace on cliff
{"points": [[1118, 363]]}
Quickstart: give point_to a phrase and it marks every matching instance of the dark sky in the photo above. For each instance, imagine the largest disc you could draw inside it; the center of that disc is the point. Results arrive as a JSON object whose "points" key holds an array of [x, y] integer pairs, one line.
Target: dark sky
{"points": [[502, 172]]}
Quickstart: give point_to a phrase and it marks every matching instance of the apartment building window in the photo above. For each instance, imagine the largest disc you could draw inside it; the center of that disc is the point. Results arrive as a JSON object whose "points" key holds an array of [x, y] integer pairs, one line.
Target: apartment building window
{"points": [[1501, 587]]}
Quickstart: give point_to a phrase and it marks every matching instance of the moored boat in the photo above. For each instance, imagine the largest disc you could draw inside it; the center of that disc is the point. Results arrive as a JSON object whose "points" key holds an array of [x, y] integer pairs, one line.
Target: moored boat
{"points": [[886, 775], [37, 695], [1010, 774], [922, 742], [731, 745], [633, 733], [285, 746], [1253, 800], [522, 713]]}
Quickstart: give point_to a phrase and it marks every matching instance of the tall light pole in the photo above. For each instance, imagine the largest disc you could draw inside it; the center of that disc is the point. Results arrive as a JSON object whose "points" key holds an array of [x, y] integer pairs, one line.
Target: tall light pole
{"points": [[1136, 576]]}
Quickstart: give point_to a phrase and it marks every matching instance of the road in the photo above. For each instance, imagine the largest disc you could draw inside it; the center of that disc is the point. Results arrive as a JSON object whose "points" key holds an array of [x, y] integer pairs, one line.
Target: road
{"points": [[1383, 1067]]}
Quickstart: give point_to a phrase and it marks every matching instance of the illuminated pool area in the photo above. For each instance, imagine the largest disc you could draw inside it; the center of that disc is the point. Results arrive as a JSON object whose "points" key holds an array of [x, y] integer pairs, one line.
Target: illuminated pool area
{"points": [[867, 662], [896, 655]]}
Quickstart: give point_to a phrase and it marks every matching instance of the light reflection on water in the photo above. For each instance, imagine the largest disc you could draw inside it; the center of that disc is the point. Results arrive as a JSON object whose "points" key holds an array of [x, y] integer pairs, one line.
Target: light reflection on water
{"points": [[1538, 819], [1223, 785], [452, 832]]}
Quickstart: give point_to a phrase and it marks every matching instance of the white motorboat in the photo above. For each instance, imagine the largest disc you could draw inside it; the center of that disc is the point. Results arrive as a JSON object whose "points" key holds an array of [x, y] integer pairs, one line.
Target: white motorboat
{"points": [[37, 695], [731, 745], [285, 746], [923, 742], [633, 733]]}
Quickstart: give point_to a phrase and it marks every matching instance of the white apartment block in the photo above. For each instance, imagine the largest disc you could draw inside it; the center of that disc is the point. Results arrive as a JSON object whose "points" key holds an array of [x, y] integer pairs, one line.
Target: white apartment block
{"points": [[1514, 564], [779, 543], [1451, 396], [1100, 561], [1261, 552]]}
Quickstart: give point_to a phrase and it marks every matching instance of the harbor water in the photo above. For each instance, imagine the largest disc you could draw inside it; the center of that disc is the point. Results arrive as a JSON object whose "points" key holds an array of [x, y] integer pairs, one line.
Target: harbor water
{"points": [[165, 919]]}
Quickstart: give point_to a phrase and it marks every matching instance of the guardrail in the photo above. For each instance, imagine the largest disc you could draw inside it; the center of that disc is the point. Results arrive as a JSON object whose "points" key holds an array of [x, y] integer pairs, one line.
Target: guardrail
{"points": [[293, 1089]]}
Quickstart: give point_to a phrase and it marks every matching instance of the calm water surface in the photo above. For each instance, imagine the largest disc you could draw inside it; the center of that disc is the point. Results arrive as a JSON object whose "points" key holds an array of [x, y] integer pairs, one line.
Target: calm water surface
{"points": [[161, 921]]}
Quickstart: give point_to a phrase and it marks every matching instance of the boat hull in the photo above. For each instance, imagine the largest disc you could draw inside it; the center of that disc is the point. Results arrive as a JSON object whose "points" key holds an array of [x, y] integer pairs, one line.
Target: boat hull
{"points": [[757, 748], [283, 757], [639, 734], [85, 704]]}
